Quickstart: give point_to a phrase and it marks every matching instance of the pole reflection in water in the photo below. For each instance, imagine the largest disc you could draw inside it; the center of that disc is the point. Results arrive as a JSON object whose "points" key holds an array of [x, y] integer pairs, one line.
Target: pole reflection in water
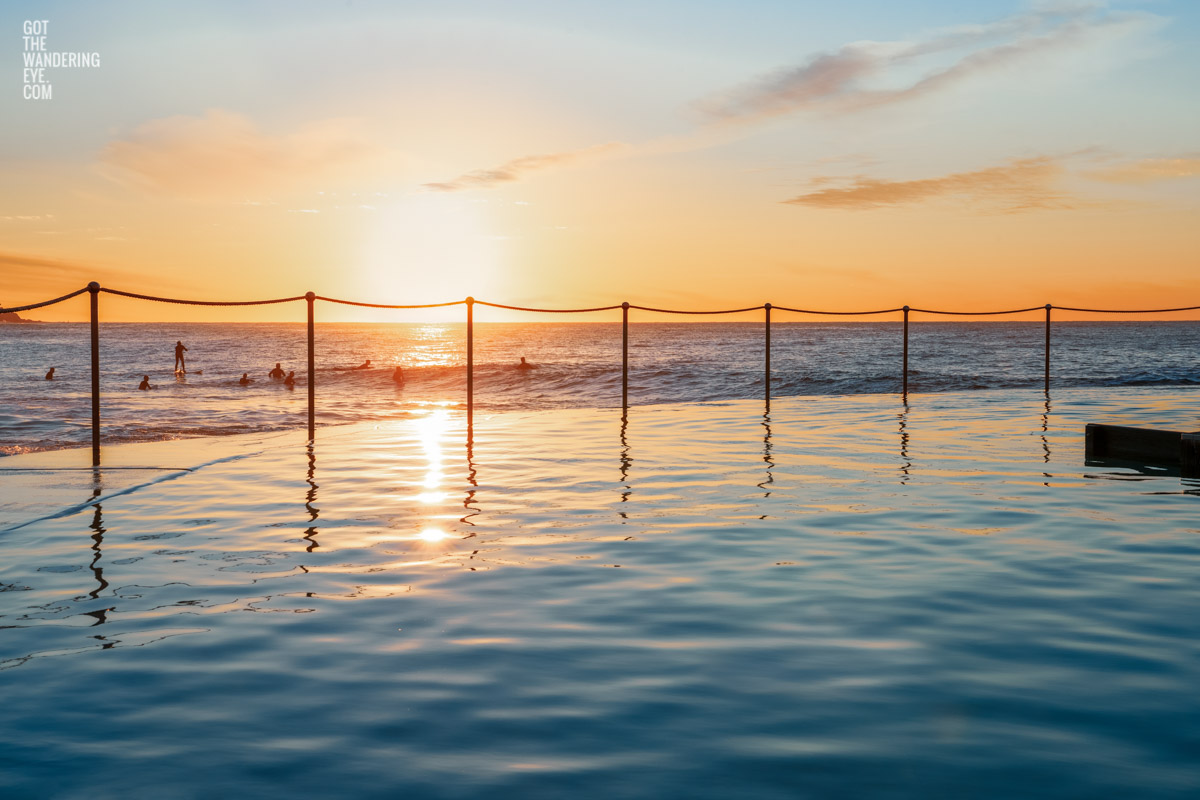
{"points": [[766, 423], [470, 497], [626, 461], [98, 531], [906, 464], [310, 497], [1045, 439]]}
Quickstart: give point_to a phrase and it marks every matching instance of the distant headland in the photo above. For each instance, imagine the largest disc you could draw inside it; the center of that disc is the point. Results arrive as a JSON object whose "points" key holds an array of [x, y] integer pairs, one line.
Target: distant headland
{"points": [[12, 316]]}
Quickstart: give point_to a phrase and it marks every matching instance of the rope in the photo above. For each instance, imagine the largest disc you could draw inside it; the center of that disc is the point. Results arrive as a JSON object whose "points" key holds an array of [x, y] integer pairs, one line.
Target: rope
{"points": [[673, 311], [979, 313], [46, 303], [839, 313], [1128, 311], [548, 310], [597, 308], [202, 302], [382, 305]]}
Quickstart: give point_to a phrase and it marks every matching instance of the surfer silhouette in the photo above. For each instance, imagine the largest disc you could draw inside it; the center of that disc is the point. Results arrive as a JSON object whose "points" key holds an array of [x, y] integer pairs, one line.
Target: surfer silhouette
{"points": [[50, 374], [180, 366], [290, 380], [365, 365], [145, 384], [276, 373], [245, 381], [524, 364], [398, 375]]}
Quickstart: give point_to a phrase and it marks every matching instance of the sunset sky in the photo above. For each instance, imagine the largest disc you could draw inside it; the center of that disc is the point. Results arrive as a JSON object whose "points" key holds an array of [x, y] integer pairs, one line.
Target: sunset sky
{"points": [[689, 154]]}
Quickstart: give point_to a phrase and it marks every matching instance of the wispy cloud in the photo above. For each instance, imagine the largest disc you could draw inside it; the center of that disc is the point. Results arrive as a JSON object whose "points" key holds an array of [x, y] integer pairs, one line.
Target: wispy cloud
{"points": [[1021, 185], [858, 76], [20, 269], [1149, 170], [867, 74], [27, 218], [222, 154], [518, 167]]}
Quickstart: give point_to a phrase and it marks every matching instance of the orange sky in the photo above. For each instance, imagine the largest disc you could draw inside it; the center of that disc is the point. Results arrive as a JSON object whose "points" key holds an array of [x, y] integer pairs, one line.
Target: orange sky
{"points": [[1001, 155]]}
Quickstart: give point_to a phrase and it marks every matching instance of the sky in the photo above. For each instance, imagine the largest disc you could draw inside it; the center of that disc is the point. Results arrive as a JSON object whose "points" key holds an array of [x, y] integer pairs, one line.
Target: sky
{"points": [[696, 155]]}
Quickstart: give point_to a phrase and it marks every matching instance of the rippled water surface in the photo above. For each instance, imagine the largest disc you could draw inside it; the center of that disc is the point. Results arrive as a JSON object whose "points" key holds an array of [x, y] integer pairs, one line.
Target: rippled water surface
{"points": [[848, 598]]}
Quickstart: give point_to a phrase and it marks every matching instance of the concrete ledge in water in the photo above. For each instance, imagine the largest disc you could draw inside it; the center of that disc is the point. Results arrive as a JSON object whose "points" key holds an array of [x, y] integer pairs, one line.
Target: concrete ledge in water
{"points": [[1144, 445]]}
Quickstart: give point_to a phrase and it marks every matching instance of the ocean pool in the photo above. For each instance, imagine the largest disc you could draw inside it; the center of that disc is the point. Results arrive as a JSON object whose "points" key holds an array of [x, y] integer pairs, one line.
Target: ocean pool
{"points": [[848, 598]]}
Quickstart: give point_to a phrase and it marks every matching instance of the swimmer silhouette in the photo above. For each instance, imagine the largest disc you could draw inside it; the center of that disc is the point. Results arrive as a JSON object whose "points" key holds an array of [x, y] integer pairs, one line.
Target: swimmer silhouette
{"points": [[398, 375], [524, 364], [290, 380], [365, 365], [245, 381], [50, 374], [276, 373], [145, 384], [179, 351]]}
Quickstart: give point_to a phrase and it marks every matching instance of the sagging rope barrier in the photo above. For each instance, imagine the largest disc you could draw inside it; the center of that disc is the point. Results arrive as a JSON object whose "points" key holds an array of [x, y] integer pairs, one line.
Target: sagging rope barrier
{"points": [[94, 289], [44, 303], [200, 302], [815, 311], [382, 305]]}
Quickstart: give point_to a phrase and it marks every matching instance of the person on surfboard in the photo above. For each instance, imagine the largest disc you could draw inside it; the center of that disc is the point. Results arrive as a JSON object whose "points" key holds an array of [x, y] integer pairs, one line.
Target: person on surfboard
{"points": [[179, 362]]}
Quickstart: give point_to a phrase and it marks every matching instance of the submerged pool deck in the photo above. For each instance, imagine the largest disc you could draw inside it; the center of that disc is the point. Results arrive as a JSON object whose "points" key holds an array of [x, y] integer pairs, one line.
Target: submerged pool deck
{"points": [[848, 598]]}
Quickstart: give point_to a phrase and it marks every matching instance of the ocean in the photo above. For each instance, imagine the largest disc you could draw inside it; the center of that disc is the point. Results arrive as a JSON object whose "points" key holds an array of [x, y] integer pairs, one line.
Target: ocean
{"points": [[578, 366]]}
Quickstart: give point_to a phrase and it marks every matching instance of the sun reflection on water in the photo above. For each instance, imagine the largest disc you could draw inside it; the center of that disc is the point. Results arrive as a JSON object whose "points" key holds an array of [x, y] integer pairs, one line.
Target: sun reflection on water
{"points": [[434, 346], [433, 535], [431, 430]]}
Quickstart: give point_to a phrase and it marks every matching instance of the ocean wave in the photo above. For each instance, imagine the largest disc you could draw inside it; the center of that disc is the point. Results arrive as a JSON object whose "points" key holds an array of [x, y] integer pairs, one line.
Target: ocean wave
{"points": [[577, 365]]}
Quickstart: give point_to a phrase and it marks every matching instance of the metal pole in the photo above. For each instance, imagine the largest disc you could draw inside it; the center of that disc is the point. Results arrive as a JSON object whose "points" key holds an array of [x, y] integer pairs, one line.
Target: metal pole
{"points": [[624, 356], [1048, 307], [767, 357], [94, 288], [312, 371], [470, 358], [904, 384]]}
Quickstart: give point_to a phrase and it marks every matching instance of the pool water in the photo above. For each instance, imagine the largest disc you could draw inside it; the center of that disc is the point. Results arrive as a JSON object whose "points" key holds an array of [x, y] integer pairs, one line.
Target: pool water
{"points": [[848, 597]]}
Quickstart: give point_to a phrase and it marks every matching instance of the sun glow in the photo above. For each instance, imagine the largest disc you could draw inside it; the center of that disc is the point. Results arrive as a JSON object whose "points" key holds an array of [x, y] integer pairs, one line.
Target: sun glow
{"points": [[430, 248]]}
